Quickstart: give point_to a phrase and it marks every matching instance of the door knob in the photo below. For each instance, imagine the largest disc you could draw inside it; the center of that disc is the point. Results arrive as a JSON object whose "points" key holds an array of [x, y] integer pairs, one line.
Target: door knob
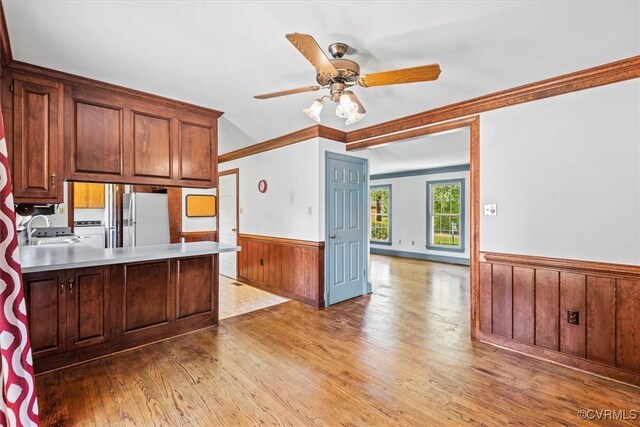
{"points": [[332, 235], [234, 230]]}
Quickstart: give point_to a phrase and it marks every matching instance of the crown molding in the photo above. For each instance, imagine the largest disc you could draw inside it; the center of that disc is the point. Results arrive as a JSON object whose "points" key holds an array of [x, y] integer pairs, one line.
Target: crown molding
{"points": [[315, 131], [601, 75]]}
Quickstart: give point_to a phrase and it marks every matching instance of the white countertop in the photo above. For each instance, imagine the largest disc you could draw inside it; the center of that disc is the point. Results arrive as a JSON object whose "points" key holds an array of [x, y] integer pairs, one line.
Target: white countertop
{"points": [[61, 257]]}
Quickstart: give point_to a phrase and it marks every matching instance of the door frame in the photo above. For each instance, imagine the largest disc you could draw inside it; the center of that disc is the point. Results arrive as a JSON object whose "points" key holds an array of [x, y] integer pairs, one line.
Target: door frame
{"points": [[223, 173], [473, 123], [366, 288]]}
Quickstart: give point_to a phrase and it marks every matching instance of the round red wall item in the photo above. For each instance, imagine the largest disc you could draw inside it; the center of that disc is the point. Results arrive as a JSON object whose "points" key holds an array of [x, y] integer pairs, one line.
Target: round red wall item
{"points": [[262, 186]]}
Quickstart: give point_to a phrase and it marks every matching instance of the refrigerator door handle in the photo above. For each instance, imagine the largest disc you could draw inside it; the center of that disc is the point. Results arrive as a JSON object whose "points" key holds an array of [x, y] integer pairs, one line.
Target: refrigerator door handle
{"points": [[132, 220]]}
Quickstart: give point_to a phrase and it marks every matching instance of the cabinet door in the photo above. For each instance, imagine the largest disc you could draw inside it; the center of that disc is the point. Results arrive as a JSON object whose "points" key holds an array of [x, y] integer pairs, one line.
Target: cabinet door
{"points": [[88, 307], [96, 196], [94, 132], [80, 195], [195, 283], [88, 195], [37, 143], [151, 145], [45, 295], [197, 153]]}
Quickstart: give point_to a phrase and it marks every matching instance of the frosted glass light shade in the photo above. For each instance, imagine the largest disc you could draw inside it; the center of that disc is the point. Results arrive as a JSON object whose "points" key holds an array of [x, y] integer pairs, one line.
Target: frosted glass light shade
{"points": [[314, 110], [354, 118], [346, 107]]}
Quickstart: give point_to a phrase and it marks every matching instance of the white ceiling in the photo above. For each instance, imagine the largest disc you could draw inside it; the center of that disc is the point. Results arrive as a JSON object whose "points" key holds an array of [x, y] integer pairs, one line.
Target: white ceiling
{"points": [[220, 54], [426, 152]]}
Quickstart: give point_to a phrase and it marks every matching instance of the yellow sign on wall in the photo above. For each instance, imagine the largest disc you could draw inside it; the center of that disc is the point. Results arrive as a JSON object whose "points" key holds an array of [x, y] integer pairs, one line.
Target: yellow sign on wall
{"points": [[200, 205]]}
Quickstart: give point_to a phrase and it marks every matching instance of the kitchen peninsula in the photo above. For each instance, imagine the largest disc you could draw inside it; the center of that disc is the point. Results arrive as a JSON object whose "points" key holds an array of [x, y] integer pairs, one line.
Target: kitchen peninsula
{"points": [[85, 303]]}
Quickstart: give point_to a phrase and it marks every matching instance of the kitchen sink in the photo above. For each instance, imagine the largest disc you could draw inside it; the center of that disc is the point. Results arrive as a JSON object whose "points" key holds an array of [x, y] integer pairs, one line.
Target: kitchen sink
{"points": [[61, 240]]}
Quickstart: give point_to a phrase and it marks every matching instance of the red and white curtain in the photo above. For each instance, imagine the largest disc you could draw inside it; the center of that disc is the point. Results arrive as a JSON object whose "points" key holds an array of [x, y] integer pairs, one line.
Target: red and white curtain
{"points": [[18, 402]]}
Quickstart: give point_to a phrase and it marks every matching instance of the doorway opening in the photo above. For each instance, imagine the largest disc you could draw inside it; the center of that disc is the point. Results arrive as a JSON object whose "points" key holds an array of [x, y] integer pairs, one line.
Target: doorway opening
{"points": [[235, 297], [441, 223]]}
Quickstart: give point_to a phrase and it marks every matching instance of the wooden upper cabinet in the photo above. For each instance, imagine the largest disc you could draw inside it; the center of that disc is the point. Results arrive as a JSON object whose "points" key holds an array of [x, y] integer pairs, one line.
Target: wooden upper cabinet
{"points": [[94, 134], [37, 142], [151, 146], [196, 152], [117, 138], [87, 195]]}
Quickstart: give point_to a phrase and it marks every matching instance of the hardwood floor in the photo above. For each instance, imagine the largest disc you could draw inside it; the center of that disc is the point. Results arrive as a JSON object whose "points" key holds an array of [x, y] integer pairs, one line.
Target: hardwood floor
{"points": [[401, 356]]}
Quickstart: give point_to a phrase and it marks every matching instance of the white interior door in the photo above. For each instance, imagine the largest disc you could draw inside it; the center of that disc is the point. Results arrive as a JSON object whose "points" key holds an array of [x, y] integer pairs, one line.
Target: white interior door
{"points": [[228, 233]]}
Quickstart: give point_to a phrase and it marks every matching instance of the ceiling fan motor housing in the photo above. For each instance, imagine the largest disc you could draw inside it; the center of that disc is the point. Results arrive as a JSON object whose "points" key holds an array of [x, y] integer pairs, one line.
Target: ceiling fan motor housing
{"points": [[348, 72]]}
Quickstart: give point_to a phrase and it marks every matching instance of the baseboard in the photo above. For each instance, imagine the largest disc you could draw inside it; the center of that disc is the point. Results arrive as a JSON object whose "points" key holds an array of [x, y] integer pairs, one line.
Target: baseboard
{"points": [[425, 257], [282, 293], [569, 361]]}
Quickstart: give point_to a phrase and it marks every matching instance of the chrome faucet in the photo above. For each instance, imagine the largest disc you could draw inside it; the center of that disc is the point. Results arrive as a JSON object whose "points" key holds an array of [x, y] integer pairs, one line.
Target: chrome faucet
{"points": [[29, 232]]}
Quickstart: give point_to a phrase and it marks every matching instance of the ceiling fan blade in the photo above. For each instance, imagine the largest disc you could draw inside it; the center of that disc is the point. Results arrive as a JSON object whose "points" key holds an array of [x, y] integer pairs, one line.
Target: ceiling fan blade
{"points": [[406, 75], [355, 99], [288, 92], [309, 47]]}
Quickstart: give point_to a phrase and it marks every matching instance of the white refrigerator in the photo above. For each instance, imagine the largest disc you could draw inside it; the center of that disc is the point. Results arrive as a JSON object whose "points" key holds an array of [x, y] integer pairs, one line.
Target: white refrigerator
{"points": [[145, 219]]}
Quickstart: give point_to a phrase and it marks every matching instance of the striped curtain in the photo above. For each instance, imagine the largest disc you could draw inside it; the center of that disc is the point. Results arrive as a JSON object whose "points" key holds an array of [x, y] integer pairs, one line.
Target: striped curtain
{"points": [[18, 403]]}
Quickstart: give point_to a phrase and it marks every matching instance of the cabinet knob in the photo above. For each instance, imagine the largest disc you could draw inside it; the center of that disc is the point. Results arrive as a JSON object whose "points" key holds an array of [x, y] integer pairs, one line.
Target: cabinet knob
{"points": [[62, 282], [70, 286], [53, 179]]}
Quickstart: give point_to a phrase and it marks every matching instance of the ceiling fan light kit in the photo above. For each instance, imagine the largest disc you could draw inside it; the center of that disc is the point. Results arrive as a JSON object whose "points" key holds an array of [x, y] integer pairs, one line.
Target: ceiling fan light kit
{"points": [[314, 111], [339, 74]]}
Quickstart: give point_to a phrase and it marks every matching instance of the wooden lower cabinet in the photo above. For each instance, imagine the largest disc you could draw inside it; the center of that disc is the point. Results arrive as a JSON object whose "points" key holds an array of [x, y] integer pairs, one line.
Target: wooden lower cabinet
{"points": [[78, 315], [46, 309]]}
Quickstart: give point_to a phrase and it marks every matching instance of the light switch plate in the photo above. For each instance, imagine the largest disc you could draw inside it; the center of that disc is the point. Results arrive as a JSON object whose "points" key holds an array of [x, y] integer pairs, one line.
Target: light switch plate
{"points": [[490, 209]]}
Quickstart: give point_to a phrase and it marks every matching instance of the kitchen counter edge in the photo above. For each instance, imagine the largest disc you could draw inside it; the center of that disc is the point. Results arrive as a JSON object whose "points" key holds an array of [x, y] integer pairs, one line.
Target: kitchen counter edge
{"points": [[36, 259]]}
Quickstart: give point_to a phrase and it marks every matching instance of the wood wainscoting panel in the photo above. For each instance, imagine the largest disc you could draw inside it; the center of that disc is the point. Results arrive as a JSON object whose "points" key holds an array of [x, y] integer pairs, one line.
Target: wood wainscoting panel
{"points": [[199, 236], [573, 297], [547, 309], [601, 327], [485, 297], [502, 302], [524, 311], [287, 267], [540, 292], [628, 324]]}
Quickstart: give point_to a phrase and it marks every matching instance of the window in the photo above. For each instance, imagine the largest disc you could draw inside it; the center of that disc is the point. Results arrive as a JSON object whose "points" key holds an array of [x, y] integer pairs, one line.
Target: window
{"points": [[380, 213], [445, 210]]}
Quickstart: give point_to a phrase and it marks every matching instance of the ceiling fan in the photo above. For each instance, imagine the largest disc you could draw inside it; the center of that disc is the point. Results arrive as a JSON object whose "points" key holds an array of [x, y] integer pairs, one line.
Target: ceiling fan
{"points": [[339, 74]]}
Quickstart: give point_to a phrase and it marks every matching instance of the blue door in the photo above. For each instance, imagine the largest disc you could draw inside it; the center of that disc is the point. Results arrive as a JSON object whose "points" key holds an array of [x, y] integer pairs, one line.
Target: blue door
{"points": [[346, 228]]}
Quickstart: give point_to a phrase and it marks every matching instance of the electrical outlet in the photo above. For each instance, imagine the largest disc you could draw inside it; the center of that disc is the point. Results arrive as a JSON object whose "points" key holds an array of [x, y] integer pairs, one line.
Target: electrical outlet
{"points": [[310, 211], [413, 242], [490, 209], [573, 317], [399, 242]]}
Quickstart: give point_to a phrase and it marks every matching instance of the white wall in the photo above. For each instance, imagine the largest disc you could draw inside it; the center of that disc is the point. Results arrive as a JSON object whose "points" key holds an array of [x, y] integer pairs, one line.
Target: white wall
{"points": [[293, 206], [565, 173], [290, 207], [409, 214], [197, 224]]}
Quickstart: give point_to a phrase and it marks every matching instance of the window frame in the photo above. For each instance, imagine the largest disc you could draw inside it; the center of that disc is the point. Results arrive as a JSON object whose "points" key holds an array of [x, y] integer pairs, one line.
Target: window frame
{"points": [[430, 246], [381, 242]]}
